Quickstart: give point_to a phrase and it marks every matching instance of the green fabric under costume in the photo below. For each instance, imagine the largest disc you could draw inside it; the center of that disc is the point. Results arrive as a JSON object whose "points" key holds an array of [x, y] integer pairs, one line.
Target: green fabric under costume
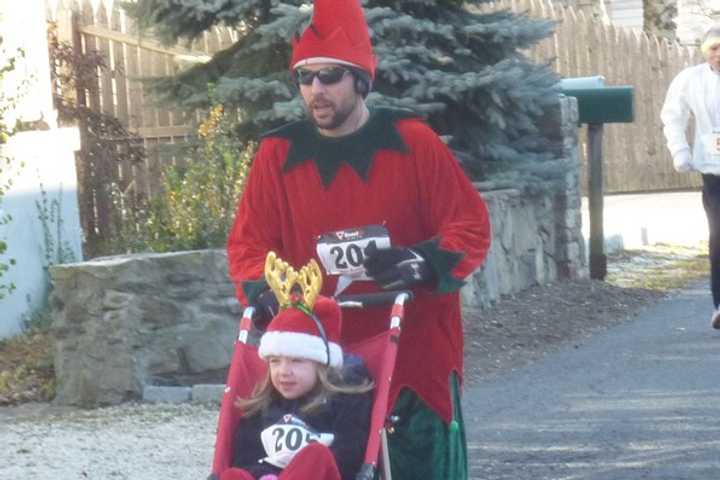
{"points": [[422, 446]]}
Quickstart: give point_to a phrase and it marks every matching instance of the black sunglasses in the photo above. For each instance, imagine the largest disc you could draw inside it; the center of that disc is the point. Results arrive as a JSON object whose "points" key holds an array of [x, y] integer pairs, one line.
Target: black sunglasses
{"points": [[327, 76]]}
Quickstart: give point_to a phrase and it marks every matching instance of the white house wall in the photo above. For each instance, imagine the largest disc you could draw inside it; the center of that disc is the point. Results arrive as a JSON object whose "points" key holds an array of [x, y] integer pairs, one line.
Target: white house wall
{"points": [[26, 28], [49, 159], [42, 156]]}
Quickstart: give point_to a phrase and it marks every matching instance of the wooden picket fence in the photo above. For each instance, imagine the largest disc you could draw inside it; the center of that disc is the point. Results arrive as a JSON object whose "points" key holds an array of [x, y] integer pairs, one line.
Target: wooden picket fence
{"points": [[102, 26], [635, 156]]}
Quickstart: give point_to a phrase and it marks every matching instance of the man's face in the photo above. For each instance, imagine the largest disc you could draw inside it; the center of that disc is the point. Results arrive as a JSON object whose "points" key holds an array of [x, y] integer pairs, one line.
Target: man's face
{"points": [[713, 57], [331, 101]]}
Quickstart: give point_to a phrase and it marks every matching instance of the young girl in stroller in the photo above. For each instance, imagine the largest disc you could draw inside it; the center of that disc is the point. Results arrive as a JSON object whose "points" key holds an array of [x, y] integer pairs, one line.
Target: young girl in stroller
{"points": [[309, 417]]}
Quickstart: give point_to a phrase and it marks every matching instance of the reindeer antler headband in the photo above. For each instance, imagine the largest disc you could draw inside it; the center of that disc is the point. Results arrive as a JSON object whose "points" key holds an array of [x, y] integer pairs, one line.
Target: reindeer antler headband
{"points": [[293, 288]]}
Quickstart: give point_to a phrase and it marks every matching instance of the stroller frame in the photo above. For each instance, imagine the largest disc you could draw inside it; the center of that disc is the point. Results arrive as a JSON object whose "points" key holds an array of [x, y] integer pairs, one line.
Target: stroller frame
{"points": [[246, 367]]}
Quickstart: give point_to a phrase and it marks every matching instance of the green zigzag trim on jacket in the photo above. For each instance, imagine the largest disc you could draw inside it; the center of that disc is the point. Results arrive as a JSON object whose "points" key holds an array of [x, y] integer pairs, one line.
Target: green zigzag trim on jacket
{"points": [[356, 149], [442, 263]]}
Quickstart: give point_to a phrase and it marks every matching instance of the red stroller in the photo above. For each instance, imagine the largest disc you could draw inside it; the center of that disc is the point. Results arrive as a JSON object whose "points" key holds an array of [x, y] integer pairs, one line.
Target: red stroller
{"points": [[378, 353]]}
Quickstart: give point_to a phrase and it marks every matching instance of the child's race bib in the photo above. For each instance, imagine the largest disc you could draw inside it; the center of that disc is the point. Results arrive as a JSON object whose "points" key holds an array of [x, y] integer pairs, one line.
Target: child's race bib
{"points": [[283, 440]]}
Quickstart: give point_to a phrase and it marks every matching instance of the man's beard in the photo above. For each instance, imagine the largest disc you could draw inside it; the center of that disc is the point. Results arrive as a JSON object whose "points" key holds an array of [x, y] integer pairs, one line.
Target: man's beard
{"points": [[339, 116]]}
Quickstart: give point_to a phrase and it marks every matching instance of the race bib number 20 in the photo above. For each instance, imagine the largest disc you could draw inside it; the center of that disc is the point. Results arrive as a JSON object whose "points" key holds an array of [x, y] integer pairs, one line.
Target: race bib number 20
{"points": [[283, 440], [343, 252]]}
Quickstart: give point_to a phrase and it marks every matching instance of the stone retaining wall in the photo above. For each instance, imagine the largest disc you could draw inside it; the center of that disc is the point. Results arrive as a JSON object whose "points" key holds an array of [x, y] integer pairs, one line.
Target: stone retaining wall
{"points": [[536, 240], [124, 322], [537, 237]]}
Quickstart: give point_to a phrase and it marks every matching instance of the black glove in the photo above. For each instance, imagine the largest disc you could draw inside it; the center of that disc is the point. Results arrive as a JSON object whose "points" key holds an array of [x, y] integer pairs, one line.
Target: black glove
{"points": [[396, 268], [266, 307]]}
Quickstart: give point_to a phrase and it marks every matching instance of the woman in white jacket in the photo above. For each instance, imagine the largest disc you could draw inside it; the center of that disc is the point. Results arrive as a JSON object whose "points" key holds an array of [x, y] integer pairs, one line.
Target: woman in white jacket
{"points": [[696, 90]]}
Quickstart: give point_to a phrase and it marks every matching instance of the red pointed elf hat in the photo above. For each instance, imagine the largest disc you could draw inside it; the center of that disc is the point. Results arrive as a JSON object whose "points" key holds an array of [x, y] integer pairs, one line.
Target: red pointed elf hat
{"points": [[294, 333], [338, 33]]}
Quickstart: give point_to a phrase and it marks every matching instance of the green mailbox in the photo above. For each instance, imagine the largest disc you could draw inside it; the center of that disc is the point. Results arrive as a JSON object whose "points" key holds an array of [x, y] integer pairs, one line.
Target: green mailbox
{"points": [[604, 105], [598, 103]]}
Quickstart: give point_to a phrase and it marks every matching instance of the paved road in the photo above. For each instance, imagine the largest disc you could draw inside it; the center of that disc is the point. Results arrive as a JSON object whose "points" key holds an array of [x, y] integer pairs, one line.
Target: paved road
{"points": [[639, 401]]}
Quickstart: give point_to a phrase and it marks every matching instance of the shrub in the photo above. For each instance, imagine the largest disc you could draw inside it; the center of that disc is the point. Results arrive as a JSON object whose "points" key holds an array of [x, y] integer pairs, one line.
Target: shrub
{"points": [[196, 206]]}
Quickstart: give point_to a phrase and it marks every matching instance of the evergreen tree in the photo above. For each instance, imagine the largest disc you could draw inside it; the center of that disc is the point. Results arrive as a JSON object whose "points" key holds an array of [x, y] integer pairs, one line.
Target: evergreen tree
{"points": [[461, 69], [659, 17]]}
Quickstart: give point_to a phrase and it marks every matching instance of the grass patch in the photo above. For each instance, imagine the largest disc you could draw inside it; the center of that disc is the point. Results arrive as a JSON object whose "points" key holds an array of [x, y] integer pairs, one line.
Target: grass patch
{"points": [[659, 267], [26, 368]]}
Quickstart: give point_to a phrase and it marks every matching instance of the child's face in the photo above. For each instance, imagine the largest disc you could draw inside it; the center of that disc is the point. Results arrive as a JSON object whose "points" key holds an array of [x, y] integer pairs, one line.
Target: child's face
{"points": [[292, 377]]}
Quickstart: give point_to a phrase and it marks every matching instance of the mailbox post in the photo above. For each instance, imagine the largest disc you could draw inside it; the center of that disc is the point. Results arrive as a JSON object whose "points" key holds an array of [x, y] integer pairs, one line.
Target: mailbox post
{"points": [[598, 105]]}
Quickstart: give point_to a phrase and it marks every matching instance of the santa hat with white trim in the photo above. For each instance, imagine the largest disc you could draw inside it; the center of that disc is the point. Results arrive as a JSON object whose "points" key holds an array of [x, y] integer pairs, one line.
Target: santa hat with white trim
{"points": [[308, 324], [338, 33], [295, 333]]}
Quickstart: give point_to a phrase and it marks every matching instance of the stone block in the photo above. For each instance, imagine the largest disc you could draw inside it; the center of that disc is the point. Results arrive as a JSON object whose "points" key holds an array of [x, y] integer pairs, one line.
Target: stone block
{"points": [[116, 300], [207, 393], [573, 251], [204, 352], [116, 312], [159, 394]]}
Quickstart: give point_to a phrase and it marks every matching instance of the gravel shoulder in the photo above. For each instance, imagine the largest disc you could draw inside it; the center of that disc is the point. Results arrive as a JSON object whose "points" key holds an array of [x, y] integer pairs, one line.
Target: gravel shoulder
{"points": [[132, 441], [523, 328]]}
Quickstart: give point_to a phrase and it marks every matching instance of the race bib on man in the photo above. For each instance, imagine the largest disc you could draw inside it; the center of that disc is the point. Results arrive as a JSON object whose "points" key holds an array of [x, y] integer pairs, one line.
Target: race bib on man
{"points": [[711, 143], [283, 440], [343, 252]]}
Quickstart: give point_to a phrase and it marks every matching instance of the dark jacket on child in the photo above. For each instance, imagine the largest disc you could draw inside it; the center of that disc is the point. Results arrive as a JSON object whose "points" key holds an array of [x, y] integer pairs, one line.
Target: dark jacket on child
{"points": [[344, 415]]}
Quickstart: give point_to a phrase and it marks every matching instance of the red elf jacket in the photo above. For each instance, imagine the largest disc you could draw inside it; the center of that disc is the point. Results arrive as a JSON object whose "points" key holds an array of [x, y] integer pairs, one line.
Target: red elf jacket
{"points": [[394, 171]]}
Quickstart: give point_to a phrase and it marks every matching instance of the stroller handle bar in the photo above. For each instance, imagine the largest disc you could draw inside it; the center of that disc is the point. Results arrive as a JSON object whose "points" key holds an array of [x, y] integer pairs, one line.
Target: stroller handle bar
{"points": [[363, 300], [397, 298]]}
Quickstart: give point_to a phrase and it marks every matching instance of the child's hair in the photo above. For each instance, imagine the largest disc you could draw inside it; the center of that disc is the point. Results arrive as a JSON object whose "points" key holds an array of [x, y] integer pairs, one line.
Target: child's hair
{"points": [[330, 382]]}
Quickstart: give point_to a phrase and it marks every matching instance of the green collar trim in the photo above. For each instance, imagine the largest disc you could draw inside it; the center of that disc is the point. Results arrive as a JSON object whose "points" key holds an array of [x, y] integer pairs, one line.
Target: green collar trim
{"points": [[356, 149]]}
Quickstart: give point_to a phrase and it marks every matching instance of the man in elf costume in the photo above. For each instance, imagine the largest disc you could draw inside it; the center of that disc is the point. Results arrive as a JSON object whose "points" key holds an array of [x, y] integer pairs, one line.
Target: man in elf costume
{"points": [[378, 198]]}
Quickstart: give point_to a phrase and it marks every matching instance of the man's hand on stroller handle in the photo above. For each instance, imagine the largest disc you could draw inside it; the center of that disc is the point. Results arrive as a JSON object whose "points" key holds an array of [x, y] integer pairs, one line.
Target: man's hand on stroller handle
{"points": [[266, 307], [396, 267]]}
